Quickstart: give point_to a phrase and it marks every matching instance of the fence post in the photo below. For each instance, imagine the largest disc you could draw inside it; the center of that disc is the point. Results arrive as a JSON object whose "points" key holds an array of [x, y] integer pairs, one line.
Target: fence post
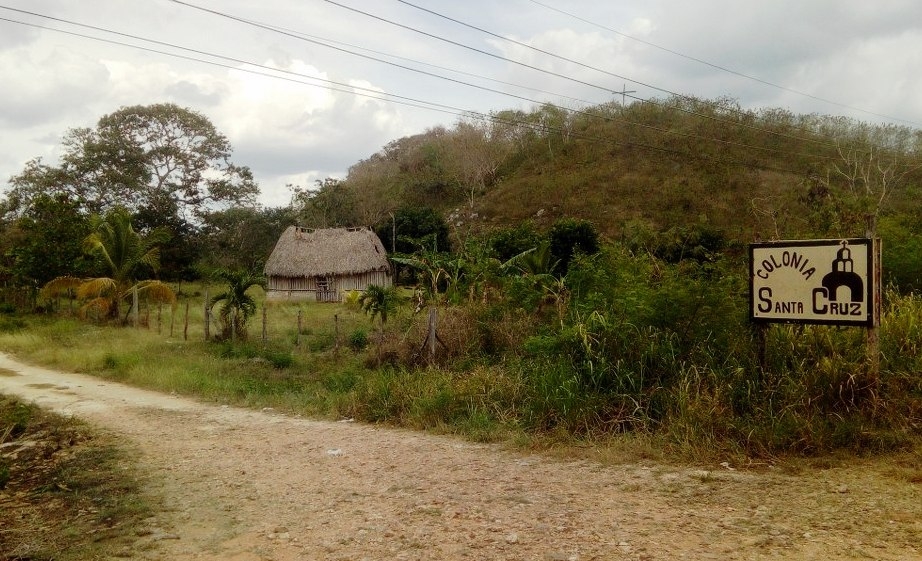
{"points": [[433, 320], [335, 334], [298, 337], [207, 319], [265, 331], [134, 307], [185, 327]]}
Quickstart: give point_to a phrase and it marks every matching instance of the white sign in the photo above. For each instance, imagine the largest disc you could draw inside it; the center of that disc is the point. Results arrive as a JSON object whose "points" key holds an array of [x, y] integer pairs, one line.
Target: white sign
{"points": [[817, 281]]}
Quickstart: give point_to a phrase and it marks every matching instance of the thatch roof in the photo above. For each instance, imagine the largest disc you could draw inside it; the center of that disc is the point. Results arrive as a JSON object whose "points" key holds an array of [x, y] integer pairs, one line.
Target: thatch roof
{"points": [[303, 252]]}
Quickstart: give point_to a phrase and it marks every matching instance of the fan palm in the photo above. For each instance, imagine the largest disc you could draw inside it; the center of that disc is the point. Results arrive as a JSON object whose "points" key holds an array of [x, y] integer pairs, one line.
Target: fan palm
{"points": [[237, 306]]}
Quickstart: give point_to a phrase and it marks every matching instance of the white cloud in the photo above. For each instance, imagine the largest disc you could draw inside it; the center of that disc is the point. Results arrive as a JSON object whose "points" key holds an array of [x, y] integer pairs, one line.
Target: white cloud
{"points": [[32, 87], [862, 54]]}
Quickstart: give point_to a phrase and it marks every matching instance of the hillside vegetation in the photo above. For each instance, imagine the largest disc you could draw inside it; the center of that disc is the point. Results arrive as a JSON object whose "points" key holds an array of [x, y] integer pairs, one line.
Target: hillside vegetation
{"points": [[674, 163]]}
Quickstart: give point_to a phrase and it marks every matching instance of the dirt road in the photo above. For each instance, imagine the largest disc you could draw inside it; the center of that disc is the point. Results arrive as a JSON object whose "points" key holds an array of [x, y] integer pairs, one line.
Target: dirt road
{"points": [[255, 485]]}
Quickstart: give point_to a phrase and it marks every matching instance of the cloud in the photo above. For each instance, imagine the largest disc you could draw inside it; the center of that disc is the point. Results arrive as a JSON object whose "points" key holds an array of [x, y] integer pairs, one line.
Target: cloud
{"points": [[48, 89], [280, 128]]}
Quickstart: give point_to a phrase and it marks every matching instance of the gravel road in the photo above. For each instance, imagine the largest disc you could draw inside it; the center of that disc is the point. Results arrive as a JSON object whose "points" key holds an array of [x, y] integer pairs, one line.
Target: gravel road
{"points": [[249, 485]]}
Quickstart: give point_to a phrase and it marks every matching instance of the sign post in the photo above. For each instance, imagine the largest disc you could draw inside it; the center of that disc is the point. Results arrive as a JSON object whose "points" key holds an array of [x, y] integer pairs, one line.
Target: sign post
{"points": [[833, 282]]}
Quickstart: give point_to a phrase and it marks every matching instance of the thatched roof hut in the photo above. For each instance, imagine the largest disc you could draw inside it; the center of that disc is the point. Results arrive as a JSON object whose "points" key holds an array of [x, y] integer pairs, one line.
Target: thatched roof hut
{"points": [[323, 264]]}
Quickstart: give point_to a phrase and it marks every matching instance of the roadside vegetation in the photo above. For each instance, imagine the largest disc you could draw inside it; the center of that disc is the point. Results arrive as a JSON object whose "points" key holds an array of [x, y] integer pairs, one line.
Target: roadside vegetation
{"points": [[66, 491], [584, 286]]}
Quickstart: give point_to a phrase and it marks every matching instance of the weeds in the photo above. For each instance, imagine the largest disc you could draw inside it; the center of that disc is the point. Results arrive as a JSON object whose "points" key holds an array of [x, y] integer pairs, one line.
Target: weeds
{"points": [[644, 348], [76, 486]]}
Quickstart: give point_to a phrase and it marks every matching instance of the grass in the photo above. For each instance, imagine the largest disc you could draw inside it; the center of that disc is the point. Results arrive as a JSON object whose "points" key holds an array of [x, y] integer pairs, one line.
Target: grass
{"points": [[71, 494], [322, 372], [697, 406]]}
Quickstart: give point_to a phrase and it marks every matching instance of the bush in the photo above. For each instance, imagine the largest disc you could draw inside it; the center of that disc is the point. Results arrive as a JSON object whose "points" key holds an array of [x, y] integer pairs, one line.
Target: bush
{"points": [[358, 340], [278, 358]]}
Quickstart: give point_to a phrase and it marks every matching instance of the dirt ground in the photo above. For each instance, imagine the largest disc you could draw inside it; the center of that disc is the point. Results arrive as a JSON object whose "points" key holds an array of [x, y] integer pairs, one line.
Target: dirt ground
{"points": [[247, 485]]}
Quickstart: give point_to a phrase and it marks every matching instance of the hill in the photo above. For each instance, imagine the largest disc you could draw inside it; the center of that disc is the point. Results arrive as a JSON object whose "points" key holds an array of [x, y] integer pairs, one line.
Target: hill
{"points": [[674, 163]]}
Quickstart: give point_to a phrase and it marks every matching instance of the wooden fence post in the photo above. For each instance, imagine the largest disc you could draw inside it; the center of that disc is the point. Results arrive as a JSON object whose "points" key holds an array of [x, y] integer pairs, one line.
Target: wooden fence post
{"points": [[265, 330], [875, 303], [185, 327], [134, 307], [298, 337], [335, 334], [207, 319], [433, 320]]}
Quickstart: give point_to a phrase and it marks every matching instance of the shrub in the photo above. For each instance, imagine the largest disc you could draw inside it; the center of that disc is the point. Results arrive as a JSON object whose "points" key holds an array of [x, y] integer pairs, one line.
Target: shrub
{"points": [[358, 340]]}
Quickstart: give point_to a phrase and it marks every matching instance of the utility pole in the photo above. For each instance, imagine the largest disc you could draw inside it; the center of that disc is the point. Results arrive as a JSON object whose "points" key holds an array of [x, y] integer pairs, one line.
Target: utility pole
{"points": [[624, 91]]}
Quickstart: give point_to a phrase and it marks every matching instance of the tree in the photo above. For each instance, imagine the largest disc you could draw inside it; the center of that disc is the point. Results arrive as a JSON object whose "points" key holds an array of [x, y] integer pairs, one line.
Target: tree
{"points": [[47, 242], [237, 306], [241, 238], [475, 155], [330, 205], [161, 156], [509, 242], [178, 258], [125, 256], [378, 301], [571, 235], [413, 229]]}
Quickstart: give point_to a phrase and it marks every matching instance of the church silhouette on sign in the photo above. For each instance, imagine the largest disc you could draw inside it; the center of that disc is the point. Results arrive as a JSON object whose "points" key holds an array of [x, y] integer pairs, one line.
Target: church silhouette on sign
{"points": [[843, 274]]}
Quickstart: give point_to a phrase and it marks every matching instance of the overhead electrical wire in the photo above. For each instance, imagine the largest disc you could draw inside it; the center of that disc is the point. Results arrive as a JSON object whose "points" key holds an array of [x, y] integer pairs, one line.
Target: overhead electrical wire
{"points": [[308, 38], [272, 71], [720, 67], [396, 99], [603, 71], [557, 74], [416, 103], [378, 95], [429, 64]]}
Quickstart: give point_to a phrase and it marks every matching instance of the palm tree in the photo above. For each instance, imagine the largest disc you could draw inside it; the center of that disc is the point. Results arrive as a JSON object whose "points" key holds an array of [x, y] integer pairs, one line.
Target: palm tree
{"points": [[238, 306], [125, 255], [378, 301]]}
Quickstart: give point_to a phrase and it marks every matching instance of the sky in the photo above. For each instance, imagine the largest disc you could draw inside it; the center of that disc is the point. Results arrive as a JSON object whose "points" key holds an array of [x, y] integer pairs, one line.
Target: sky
{"points": [[303, 89]]}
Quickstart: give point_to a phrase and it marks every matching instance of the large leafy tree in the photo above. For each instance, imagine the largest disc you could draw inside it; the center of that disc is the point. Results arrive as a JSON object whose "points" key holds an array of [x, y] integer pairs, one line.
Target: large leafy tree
{"points": [[161, 157], [241, 238], [412, 229], [569, 236], [46, 242], [331, 204]]}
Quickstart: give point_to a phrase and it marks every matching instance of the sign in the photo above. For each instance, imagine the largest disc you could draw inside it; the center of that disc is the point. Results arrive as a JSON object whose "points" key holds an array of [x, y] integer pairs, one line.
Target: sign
{"points": [[816, 281]]}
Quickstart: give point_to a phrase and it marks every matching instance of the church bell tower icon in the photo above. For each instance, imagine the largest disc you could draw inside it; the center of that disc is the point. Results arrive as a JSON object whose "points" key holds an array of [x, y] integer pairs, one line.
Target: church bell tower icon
{"points": [[843, 274]]}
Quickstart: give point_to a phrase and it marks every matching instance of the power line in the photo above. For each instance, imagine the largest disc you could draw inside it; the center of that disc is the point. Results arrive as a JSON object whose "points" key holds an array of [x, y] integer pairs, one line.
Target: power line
{"points": [[423, 63], [308, 38], [722, 68], [559, 75], [349, 88], [403, 99], [537, 127]]}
